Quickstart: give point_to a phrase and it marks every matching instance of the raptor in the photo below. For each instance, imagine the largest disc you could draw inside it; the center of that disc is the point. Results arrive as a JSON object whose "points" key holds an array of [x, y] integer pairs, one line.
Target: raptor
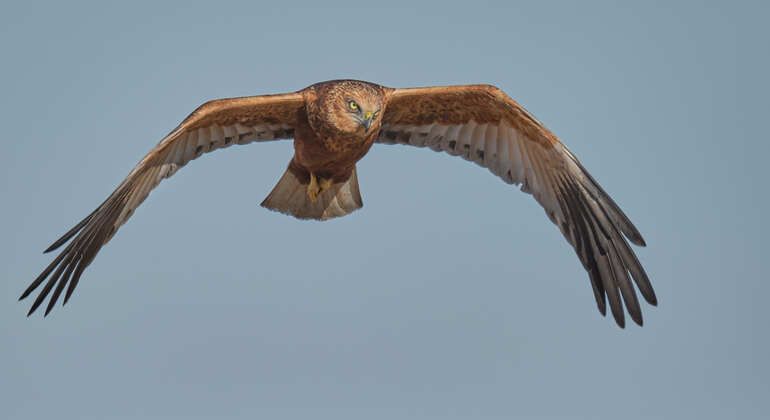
{"points": [[334, 124]]}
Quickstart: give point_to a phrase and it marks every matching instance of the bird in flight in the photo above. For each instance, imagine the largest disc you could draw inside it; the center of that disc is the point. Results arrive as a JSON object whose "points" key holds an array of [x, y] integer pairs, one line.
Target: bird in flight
{"points": [[334, 124]]}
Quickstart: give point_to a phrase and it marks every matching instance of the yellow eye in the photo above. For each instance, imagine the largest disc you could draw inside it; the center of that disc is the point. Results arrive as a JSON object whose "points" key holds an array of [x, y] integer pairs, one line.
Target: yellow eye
{"points": [[353, 105]]}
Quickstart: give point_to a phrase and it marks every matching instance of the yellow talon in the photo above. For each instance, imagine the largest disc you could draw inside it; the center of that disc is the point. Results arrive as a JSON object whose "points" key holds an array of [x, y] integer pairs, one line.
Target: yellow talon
{"points": [[312, 188], [317, 186], [325, 184]]}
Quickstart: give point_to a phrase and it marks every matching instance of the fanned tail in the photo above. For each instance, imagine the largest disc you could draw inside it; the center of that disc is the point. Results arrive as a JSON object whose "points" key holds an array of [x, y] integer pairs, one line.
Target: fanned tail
{"points": [[290, 197]]}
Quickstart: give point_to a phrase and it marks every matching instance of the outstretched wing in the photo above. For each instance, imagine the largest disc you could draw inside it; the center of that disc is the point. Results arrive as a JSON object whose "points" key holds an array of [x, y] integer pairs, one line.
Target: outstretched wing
{"points": [[214, 125], [482, 124]]}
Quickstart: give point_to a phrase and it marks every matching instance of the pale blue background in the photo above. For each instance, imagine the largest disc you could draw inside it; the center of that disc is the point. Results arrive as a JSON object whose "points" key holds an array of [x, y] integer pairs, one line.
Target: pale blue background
{"points": [[450, 295]]}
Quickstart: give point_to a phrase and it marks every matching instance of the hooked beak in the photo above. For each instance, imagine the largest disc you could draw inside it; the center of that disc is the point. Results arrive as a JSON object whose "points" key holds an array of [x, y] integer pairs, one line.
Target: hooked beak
{"points": [[366, 121]]}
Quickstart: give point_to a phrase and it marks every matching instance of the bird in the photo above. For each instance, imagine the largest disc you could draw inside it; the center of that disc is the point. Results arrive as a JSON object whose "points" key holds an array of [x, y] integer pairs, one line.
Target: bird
{"points": [[333, 125]]}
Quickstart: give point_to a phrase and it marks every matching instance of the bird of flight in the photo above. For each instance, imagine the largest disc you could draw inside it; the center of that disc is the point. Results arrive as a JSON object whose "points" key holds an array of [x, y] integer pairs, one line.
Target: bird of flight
{"points": [[334, 124]]}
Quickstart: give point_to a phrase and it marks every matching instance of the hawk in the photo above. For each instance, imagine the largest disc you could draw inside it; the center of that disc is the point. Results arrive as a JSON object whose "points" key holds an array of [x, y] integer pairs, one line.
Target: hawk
{"points": [[334, 124]]}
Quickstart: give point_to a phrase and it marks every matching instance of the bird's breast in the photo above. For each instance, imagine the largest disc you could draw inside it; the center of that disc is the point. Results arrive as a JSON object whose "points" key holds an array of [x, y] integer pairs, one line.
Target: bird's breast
{"points": [[329, 156]]}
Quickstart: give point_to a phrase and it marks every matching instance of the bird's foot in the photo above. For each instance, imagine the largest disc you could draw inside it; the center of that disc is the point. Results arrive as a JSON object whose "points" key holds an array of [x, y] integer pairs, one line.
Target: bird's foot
{"points": [[313, 189], [325, 184], [317, 186]]}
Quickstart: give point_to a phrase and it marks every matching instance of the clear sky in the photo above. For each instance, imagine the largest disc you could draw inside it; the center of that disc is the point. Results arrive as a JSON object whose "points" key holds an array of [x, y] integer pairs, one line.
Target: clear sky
{"points": [[450, 295]]}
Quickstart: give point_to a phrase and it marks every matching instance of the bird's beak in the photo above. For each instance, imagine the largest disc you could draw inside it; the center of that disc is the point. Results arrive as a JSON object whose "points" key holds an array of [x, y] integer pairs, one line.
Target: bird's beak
{"points": [[367, 120]]}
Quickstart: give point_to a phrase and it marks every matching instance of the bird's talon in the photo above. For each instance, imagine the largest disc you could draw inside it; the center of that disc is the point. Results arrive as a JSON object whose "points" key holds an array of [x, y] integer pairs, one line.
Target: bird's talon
{"points": [[317, 186], [312, 188], [325, 184]]}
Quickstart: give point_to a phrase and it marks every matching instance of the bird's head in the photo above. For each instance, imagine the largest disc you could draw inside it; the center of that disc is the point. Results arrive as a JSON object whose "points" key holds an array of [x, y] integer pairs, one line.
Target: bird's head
{"points": [[352, 107]]}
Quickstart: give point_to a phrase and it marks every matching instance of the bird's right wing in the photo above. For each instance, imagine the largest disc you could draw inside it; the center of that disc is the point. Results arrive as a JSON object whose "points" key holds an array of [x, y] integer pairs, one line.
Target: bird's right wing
{"points": [[484, 125], [214, 125]]}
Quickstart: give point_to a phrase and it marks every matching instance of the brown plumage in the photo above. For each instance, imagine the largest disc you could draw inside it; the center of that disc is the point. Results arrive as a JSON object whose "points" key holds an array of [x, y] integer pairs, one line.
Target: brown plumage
{"points": [[334, 124]]}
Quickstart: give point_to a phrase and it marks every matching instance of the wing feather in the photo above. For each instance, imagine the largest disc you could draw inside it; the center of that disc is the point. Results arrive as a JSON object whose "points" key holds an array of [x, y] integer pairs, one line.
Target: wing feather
{"points": [[482, 124], [214, 125]]}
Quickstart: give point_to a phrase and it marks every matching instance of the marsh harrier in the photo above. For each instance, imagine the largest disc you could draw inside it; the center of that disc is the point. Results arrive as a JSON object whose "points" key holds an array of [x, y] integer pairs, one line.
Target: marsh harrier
{"points": [[334, 124]]}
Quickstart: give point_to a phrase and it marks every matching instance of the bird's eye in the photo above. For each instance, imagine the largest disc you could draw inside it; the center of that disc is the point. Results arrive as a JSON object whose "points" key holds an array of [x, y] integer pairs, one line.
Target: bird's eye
{"points": [[353, 105]]}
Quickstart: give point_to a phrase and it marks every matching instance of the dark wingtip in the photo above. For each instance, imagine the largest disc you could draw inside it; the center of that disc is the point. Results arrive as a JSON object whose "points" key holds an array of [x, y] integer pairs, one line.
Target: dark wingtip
{"points": [[26, 293], [52, 302], [649, 295], [72, 232], [636, 238], [620, 319], [39, 300], [61, 241]]}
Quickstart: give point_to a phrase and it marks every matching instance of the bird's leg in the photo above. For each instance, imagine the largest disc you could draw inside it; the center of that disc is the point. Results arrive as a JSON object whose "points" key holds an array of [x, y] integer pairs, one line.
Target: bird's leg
{"points": [[312, 188], [325, 184], [317, 186]]}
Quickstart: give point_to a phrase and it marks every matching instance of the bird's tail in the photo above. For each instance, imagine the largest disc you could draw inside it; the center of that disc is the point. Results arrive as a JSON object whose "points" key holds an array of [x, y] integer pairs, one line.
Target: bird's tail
{"points": [[290, 197]]}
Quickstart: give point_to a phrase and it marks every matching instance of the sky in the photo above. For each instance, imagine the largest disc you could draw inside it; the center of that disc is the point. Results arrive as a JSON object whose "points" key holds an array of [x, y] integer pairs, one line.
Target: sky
{"points": [[449, 295]]}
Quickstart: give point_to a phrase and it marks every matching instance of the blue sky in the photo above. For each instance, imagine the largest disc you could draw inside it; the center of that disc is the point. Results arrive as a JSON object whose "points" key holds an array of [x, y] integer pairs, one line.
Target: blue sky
{"points": [[450, 295]]}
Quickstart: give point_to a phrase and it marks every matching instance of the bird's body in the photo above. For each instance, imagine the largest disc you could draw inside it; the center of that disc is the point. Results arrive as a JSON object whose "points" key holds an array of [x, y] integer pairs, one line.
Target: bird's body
{"points": [[323, 150], [334, 124]]}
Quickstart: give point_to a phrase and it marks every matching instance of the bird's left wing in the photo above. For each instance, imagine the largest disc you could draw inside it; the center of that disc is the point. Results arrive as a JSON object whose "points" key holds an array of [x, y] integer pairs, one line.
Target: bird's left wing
{"points": [[214, 125], [482, 124]]}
